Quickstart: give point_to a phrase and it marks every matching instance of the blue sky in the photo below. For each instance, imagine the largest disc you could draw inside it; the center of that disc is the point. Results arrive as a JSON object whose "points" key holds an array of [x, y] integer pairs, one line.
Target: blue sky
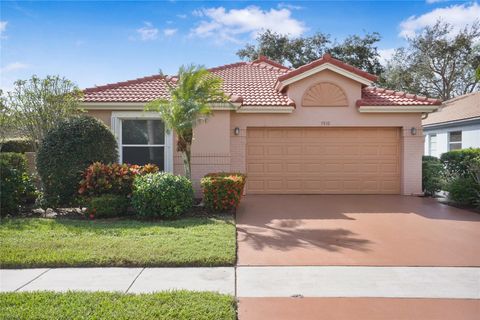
{"points": [[98, 42]]}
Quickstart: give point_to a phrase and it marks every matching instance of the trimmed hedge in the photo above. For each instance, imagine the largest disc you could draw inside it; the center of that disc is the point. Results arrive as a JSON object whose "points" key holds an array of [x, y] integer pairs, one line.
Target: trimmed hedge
{"points": [[457, 162], [16, 187], [161, 195], [107, 206], [67, 150], [461, 172], [432, 175], [222, 191], [114, 178], [18, 145]]}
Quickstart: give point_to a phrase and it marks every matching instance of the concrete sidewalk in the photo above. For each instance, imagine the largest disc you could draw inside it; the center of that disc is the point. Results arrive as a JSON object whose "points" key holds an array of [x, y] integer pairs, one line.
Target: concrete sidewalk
{"points": [[128, 280], [259, 282]]}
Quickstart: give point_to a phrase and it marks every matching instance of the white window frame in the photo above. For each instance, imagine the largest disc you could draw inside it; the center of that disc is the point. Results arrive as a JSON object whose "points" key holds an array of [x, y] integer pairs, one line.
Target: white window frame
{"points": [[116, 121], [455, 142], [430, 136]]}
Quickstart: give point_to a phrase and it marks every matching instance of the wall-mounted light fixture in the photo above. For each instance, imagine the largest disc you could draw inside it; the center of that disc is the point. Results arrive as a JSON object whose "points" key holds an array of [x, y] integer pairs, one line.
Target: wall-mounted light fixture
{"points": [[236, 131], [413, 131]]}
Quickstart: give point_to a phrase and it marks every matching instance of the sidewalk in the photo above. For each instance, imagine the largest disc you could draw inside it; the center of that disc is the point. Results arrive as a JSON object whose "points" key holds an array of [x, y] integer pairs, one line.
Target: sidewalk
{"points": [[128, 280], [259, 282]]}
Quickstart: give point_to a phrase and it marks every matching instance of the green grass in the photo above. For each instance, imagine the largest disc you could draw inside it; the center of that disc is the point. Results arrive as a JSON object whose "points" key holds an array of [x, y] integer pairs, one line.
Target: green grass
{"points": [[68, 243], [103, 305]]}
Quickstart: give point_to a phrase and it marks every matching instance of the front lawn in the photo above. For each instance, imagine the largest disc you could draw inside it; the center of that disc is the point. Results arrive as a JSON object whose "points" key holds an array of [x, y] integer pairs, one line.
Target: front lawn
{"points": [[67, 243], [103, 305]]}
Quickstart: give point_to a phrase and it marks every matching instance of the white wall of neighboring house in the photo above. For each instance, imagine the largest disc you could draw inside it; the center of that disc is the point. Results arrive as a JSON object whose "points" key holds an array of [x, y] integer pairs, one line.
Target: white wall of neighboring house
{"points": [[470, 138]]}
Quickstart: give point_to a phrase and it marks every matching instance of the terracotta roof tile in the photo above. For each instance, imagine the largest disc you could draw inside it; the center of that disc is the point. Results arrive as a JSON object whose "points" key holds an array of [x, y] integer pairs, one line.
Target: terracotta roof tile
{"points": [[251, 83], [372, 96], [248, 83], [460, 108], [327, 58]]}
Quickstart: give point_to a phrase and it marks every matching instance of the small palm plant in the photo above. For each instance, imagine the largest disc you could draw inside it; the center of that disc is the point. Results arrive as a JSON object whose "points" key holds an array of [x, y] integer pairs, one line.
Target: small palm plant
{"points": [[190, 98]]}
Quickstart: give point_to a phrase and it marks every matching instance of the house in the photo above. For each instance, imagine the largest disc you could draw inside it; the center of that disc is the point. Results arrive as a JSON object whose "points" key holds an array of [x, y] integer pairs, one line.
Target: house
{"points": [[456, 125], [319, 129]]}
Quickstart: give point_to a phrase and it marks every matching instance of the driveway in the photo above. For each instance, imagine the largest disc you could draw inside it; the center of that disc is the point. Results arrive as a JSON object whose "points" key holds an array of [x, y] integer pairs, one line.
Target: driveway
{"points": [[355, 230]]}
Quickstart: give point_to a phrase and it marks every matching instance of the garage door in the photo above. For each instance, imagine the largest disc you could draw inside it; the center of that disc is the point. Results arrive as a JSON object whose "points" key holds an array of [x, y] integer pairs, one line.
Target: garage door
{"points": [[323, 160]]}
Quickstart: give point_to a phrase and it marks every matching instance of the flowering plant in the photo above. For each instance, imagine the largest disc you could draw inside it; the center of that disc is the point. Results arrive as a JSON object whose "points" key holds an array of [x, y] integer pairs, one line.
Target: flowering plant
{"points": [[99, 178], [222, 191]]}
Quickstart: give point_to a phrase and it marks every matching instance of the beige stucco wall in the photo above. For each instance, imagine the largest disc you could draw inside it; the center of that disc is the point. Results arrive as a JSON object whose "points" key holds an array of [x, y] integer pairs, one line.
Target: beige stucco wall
{"points": [[216, 148], [104, 115], [210, 148]]}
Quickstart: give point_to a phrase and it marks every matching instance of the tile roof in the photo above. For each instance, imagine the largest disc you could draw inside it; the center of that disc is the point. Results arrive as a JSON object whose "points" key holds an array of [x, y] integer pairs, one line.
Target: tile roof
{"points": [[372, 96], [249, 83], [138, 90], [327, 58], [460, 108]]}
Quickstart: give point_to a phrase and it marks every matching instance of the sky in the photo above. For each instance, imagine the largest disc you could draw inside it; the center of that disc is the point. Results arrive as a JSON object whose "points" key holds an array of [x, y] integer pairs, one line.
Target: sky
{"points": [[98, 42]]}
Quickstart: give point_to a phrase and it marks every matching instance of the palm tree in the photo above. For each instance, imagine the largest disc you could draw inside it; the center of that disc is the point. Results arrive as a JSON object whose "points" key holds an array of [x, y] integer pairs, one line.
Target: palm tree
{"points": [[189, 104]]}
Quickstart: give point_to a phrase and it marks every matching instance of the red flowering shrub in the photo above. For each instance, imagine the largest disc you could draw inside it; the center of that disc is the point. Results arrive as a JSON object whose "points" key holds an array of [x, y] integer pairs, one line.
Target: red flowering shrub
{"points": [[99, 178], [222, 191]]}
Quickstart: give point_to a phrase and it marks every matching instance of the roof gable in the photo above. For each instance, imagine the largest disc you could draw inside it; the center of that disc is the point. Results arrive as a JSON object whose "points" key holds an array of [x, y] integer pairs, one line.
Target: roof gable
{"points": [[324, 63]]}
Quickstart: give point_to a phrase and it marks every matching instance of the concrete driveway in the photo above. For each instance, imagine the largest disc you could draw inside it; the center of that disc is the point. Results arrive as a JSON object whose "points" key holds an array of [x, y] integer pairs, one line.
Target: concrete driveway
{"points": [[355, 230], [338, 257]]}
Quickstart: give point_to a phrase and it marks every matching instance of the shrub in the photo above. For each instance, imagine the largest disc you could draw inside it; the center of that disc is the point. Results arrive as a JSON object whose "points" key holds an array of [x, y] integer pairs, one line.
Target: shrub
{"points": [[461, 175], [222, 191], [162, 195], [108, 206], [114, 178], [432, 175], [18, 145], [464, 191], [16, 187], [67, 150], [458, 162]]}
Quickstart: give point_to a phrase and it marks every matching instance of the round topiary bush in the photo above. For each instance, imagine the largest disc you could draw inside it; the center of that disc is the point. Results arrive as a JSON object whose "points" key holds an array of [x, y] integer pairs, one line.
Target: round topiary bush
{"points": [[67, 150], [161, 195]]}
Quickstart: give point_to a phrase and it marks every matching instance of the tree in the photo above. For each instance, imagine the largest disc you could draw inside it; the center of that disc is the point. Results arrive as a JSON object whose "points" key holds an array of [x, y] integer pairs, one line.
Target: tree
{"points": [[437, 62], [190, 98], [6, 119], [37, 105], [358, 51]]}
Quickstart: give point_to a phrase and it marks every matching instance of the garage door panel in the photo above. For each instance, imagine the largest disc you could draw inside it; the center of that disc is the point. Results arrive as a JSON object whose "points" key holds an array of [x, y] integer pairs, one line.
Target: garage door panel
{"points": [[323, 160]]}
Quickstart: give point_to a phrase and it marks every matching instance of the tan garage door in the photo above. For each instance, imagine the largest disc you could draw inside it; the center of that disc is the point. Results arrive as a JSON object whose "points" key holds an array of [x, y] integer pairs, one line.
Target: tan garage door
{"points": [[323, 160]]}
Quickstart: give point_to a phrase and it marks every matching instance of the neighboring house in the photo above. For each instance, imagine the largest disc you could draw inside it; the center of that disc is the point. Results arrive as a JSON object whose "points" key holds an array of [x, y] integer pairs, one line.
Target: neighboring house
{"points": [[318, 129], [455, 125]]}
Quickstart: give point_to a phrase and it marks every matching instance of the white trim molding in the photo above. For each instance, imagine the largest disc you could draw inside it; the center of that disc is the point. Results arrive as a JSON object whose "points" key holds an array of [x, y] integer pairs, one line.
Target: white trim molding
{"points": [[266, 109], [397, 109], [326, 66], [141, 105], [116, 121]]}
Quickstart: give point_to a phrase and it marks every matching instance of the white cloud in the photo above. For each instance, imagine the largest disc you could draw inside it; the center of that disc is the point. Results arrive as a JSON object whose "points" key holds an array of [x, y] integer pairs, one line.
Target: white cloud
{"points": [[229, 24], [182, 16], [457, 15], [148, 32], [3, 28], [14, 67], [385, 55], [434, 1], [289, 6], [169, 32]]}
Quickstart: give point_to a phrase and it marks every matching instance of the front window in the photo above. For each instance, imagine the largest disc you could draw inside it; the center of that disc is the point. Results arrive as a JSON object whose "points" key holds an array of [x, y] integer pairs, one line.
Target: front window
{"points": [[432, 145], [143, 141], [454, 140]]}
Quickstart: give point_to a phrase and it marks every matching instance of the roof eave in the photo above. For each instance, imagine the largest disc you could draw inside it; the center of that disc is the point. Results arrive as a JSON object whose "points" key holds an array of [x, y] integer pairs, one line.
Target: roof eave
{"points": [[398, 109], [117, 105]]}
